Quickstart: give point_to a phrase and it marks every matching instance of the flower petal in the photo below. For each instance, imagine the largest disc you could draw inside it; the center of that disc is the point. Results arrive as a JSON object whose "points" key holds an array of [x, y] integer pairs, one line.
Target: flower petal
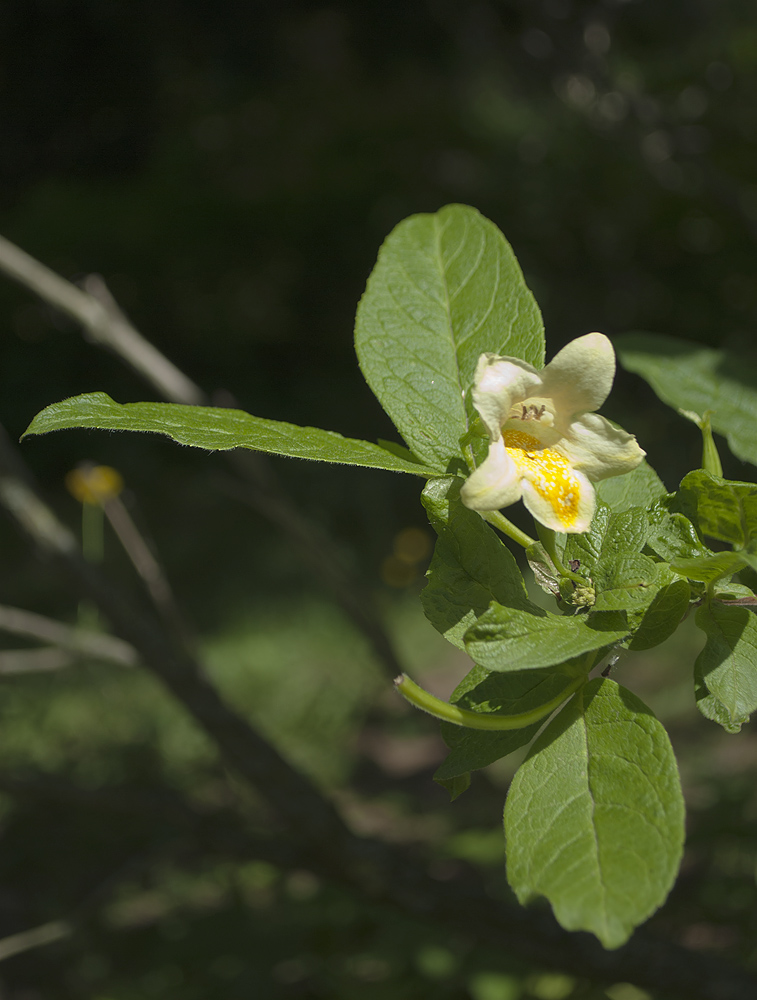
{"points": [[495, 483], [547, 509], [600, 449], [579, 377], [497, 385]]}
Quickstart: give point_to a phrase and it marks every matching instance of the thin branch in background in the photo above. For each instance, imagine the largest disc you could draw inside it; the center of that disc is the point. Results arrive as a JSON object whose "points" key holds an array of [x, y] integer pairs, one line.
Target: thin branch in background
{"points": [[103, 322], [75, 642], [47, 933], [147, 566], [35, 661], [383, 873]]}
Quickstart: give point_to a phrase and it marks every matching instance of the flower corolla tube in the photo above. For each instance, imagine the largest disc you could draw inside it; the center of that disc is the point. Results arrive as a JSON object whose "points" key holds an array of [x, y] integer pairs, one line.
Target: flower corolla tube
{"points": [[546, 443]]}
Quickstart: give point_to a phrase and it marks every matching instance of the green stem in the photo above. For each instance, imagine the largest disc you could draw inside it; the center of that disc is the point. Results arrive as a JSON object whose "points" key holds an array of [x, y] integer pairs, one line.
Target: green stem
{"points": [[92, 534], [547, 538], [426, 702], [498, 520]]}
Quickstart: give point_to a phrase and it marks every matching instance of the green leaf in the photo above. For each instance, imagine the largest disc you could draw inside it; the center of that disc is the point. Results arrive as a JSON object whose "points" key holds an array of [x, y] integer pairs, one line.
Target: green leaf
{"points": [[594, 816], [713, 709], [505, 694], [728, 663], [610, 552], [455, 786], [634, 489], [627, 580], [662, 617], [470, 568], [446, 287], [707, 569], [509, 639], [672, 535], [691, 377], [216, 429], [720, 508]]}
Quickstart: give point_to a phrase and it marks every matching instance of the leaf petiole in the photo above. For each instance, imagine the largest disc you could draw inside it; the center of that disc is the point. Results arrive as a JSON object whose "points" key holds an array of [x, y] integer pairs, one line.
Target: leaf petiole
{"points": [[442, 710], [498, 520]]}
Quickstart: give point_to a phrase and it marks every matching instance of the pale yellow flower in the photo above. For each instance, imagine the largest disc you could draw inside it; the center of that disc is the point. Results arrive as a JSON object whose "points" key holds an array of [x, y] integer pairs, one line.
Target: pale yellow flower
{"points": [[546, 445]]}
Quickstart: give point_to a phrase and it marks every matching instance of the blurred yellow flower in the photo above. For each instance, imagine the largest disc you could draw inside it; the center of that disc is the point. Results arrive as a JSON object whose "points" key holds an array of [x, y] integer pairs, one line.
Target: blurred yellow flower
{"points": [[94, 484]]}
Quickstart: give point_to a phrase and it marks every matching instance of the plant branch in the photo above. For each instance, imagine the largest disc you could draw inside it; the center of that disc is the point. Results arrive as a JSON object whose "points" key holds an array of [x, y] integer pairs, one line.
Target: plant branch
{"points": [[68, 639], [386, 874], [103, 322]]}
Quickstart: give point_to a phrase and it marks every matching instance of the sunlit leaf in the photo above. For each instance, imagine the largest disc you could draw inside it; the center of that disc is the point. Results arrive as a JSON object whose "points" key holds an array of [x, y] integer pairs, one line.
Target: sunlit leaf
{"points": [[216, 429], [446, 287], [594, 816], [509, 639]]}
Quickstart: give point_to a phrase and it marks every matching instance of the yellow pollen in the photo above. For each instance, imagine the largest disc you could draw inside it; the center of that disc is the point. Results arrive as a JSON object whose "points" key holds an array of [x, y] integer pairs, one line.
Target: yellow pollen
{"points": [[548, 472]]}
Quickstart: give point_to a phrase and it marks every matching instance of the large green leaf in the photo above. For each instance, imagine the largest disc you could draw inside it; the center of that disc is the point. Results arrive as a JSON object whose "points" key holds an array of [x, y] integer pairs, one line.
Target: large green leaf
{"points": [[471, 567], [594, 816], [662, 616], [720, 508], [509, 639], [446, 287], [634, 489], [697, 378], [216, 429], [505, 694], [727, 665]]}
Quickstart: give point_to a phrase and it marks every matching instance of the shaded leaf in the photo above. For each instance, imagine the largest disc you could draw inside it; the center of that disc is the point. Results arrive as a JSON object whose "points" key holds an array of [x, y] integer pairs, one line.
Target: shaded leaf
{"points": [[728, 663], [662, 617], [470, 568], [720, 508], [504, 694], [692, 377], [713, 709]]}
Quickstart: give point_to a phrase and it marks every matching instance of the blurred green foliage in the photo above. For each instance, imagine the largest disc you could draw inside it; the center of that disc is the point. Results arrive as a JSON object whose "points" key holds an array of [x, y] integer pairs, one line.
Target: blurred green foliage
{"points": [[231, 170]]}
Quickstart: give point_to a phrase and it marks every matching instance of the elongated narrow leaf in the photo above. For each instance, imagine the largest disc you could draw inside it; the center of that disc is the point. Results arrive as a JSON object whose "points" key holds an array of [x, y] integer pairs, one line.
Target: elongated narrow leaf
{"points": [[594, 816], [698, 378], [509, 639], [707, 569], [728, 663], [471, 567], [218, 429], [505, 694], [446, 287]]}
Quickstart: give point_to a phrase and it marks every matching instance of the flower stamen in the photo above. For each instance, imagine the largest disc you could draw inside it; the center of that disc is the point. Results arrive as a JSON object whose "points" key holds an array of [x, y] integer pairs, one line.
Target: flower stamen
{"points": [[549, 473]]}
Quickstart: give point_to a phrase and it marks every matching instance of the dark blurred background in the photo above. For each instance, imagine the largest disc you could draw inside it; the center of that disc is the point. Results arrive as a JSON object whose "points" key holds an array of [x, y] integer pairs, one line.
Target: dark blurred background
{"points": [[231, 170]]}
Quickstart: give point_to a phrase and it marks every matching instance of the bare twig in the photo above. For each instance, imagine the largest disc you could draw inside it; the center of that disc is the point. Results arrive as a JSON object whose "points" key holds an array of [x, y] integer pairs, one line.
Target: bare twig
{"points": [[103, 321], [383, 873], [68, 639], [146, 565], [48, 933], [105, 324], [35, 661]]}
